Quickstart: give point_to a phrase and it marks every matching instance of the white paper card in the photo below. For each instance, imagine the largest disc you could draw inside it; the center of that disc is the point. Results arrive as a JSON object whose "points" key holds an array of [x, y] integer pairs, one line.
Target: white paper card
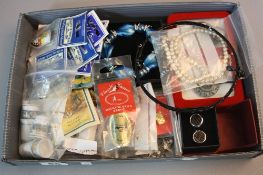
{"points": [[81, 146], [145, 128]]}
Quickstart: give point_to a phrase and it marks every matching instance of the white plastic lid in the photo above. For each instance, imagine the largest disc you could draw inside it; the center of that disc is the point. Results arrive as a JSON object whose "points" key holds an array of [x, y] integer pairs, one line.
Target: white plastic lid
{"points": [[44, 149]]}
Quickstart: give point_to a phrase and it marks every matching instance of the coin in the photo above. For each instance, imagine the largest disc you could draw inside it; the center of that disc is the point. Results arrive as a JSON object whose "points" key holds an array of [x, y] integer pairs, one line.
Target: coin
{"points": [[207, 90]]}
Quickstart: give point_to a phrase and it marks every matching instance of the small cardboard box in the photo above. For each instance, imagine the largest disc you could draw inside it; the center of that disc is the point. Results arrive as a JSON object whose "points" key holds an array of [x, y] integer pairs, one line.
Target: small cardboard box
{"points": [[27, 24]]}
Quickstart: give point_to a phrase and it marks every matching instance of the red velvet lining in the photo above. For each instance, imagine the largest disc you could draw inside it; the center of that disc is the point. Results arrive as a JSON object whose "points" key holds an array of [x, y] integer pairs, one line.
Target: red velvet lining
{"points": [[236, 128]]}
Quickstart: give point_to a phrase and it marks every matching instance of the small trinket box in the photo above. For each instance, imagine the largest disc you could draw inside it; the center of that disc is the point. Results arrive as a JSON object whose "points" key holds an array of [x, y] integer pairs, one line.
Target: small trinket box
{"points": [[199, 131]]}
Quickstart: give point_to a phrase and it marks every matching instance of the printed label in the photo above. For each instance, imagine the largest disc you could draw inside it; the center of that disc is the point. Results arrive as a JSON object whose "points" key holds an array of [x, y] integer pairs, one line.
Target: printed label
{"points": [[80, 55], [80, 112], [72, 31], [116, 97], [53, 163], [95, 29], [52, 60], [86, 68], [82, 81], [99, 47]]}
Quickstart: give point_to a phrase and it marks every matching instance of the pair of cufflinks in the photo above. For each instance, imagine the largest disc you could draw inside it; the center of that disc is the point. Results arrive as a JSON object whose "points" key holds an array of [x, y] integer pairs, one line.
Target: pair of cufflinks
{"points": [[199, 136]]}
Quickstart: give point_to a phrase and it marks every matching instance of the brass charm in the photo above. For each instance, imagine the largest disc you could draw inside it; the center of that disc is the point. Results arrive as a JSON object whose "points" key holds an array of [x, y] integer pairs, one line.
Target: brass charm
{"points": [[120, 129], [160, 118]]}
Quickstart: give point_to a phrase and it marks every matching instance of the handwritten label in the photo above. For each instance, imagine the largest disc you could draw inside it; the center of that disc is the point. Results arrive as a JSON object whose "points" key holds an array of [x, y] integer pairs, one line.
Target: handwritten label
{"points": [[81, 146]]}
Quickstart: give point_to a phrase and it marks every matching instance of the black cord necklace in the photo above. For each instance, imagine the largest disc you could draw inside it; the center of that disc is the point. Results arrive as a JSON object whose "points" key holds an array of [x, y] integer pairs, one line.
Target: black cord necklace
{"points": [[237, 71]]}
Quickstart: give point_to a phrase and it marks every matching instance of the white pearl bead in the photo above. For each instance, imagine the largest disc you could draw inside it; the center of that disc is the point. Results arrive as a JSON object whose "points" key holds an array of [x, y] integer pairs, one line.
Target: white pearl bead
{"points": [[176, 59]]}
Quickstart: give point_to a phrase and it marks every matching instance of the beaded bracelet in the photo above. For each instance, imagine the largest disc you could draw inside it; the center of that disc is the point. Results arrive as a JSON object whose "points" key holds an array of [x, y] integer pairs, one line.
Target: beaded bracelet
{"points": [[129, 30]]}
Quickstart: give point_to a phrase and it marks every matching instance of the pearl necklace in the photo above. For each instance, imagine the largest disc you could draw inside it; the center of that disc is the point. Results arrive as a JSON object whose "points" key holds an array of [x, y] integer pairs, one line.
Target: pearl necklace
{"points": [[182, 64]]}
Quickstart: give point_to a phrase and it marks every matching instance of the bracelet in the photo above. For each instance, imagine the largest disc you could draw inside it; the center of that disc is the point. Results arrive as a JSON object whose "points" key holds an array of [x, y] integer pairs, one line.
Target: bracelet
{"points": [[128, 30]]}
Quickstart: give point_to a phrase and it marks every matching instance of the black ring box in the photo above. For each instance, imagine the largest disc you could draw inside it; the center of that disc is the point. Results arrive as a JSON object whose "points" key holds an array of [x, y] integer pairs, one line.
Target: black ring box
{"points": [[209, 126]]}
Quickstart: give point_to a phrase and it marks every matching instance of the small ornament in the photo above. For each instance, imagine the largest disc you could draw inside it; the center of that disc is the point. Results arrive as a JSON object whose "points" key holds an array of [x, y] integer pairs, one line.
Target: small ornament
{"points": [[41, 40], [121, 129], [165, 148], [160, 118]]}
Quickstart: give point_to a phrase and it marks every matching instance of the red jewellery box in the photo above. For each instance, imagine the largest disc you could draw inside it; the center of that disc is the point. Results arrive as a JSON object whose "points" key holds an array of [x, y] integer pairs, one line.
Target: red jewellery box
{"points": [[238, 94]]}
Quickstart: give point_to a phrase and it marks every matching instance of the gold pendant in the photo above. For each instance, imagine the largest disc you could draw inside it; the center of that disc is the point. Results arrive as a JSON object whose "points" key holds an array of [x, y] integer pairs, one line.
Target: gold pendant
{"points": [[160, 118], [120, 129]]}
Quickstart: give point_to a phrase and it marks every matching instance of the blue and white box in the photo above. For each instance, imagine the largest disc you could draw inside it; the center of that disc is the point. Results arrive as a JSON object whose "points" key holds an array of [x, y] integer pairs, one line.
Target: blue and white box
{"points": [[80, 55], [95, 28], [52, 60], [72, 31]]}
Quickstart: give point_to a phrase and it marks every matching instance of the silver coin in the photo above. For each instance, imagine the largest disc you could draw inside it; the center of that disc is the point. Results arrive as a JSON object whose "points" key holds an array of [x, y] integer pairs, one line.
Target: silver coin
{"points": [[196, 120], [199, 136], [207, 90]]}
